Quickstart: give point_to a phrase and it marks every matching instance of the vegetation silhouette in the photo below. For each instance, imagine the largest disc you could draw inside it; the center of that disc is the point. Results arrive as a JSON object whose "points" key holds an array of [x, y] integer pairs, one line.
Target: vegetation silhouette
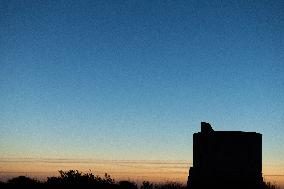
{"points": [[76, 179]]}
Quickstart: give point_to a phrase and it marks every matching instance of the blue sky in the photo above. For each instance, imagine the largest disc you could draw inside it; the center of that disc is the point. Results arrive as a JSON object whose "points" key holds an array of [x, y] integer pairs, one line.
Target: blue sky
{"points": [[134, 79]]}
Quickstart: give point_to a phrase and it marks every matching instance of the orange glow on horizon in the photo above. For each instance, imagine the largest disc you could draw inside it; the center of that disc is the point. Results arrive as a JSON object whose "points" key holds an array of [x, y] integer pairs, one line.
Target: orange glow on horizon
{"points": [[155, 171]]}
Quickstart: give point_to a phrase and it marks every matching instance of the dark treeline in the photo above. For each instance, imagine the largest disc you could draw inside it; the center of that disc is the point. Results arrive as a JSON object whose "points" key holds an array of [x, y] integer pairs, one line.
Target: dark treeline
{"points": [[76, 179]]}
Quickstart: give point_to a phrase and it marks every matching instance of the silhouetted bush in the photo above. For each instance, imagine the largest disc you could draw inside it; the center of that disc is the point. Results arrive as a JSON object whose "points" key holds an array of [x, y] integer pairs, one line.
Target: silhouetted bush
{"points": [[75, 178], [23, 180], [147, 185]]}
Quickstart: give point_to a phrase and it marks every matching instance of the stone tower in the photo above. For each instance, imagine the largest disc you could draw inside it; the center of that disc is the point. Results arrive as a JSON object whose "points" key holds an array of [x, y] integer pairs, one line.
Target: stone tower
{"points": [[226, 159]]}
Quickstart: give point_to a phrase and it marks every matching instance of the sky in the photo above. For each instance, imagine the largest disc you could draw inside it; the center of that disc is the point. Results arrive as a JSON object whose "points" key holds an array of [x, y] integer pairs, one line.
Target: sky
{"points": [[132, 80]]}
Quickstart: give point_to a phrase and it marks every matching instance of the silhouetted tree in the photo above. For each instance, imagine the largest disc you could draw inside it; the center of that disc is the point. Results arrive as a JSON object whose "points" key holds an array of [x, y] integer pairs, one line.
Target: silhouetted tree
{"points": [[147, 185], [71, 177], [76, 178], [108, 179]]}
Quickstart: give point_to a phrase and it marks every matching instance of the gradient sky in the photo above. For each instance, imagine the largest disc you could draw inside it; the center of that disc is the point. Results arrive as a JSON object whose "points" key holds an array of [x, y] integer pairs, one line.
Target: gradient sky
{"points": [[132, 80]]}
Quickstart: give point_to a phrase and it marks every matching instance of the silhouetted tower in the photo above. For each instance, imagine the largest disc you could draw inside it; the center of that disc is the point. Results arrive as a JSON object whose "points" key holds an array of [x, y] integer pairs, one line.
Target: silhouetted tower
{"points": [[226, 159]]}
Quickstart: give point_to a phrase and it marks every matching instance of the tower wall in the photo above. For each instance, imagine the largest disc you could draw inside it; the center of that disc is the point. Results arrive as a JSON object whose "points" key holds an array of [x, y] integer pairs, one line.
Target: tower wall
{"points": [[226, 156]]}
